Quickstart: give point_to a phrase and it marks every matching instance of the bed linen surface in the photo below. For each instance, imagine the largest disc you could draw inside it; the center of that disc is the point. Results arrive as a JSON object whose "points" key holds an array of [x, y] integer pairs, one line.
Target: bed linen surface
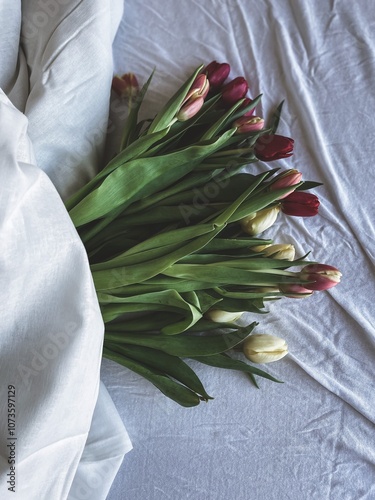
{"points": [[313, 436]]}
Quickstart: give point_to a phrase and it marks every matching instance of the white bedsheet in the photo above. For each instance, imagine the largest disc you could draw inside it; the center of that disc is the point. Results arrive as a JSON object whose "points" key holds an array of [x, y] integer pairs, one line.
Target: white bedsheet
{"points": [[312, 437]]}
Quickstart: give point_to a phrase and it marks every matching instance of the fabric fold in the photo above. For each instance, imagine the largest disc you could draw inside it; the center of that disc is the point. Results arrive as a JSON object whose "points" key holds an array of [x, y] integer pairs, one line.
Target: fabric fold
{"points": [[51, 329], [68, 48]]}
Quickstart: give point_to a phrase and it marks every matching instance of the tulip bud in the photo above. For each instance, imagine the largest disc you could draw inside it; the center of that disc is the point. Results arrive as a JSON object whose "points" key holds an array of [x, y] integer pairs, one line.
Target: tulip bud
{"points": [[247, 124], [190, 109], [322, 276], [280, 251], [258, 222], [294, 291], [217, 73], [260, 248], [126, 85], [273, 147], [199, 88], [264, 348], [289, 178], [194, 98], [234, 91], [218, 316], [300, 204]]}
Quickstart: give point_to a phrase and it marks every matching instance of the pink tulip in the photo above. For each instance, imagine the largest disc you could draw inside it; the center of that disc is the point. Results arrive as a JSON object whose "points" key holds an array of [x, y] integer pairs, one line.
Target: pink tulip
{"points": [[194, 98], [294, 291], [190, 109], [322, 276], [248, 124], [199, 88], [289, 178]]}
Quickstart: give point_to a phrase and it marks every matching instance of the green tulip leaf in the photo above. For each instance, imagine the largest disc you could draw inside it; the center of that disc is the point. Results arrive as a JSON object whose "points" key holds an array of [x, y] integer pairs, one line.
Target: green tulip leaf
{"points": [[183, 345], [225, 361], [139, 178], [128, 134], [169, 111], [276, 118], [306, 185], [226, 275], [172, 366], [175, 391], [248, 108], [113, 306]]}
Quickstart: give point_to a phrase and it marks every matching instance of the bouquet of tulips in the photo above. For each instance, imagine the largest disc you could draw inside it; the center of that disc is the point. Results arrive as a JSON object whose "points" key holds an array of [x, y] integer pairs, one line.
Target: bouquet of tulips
{"points": [[171, 226]]}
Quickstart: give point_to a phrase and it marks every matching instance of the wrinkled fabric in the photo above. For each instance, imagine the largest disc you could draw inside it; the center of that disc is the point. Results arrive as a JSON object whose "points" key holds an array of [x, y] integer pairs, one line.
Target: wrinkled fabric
{"points": [[313, 436], [56, 68], [51, 336], [69, 53]]}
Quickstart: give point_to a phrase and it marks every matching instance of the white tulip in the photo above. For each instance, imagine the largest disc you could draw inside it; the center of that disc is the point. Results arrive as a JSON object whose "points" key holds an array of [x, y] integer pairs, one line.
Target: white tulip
{"points": [[264, 348]]}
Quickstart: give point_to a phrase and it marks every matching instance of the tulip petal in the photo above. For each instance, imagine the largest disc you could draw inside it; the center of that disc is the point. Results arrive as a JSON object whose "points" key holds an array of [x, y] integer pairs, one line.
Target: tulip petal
{"points": [[267, 357], [264, 348]]}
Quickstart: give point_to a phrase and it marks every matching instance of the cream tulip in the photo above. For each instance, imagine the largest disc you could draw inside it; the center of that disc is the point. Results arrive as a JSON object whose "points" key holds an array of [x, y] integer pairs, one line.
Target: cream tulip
{"points": [[258, 222], [264, 348], [218, 316], [280, 251]]}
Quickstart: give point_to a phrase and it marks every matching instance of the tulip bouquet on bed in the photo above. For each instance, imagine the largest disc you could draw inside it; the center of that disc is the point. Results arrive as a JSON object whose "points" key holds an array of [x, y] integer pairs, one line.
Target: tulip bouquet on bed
{"points": [[171, 229]]}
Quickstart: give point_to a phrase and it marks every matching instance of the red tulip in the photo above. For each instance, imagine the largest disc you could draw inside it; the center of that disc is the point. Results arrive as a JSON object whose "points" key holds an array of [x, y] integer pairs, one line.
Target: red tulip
{"points": [[234, 90], [322, 277], [248, 124], [300, 204], [217, 73], [273, 147], [126, 85]]}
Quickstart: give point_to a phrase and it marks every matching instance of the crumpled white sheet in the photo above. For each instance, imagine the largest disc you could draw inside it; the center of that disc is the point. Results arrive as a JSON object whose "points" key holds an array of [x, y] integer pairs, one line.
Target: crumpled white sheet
{"points": [[313, 436], [68, 438]]}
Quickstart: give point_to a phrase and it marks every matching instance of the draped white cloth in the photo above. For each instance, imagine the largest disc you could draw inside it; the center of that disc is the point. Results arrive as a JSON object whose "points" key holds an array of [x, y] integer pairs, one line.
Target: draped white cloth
{"points": [[66, 440]]}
